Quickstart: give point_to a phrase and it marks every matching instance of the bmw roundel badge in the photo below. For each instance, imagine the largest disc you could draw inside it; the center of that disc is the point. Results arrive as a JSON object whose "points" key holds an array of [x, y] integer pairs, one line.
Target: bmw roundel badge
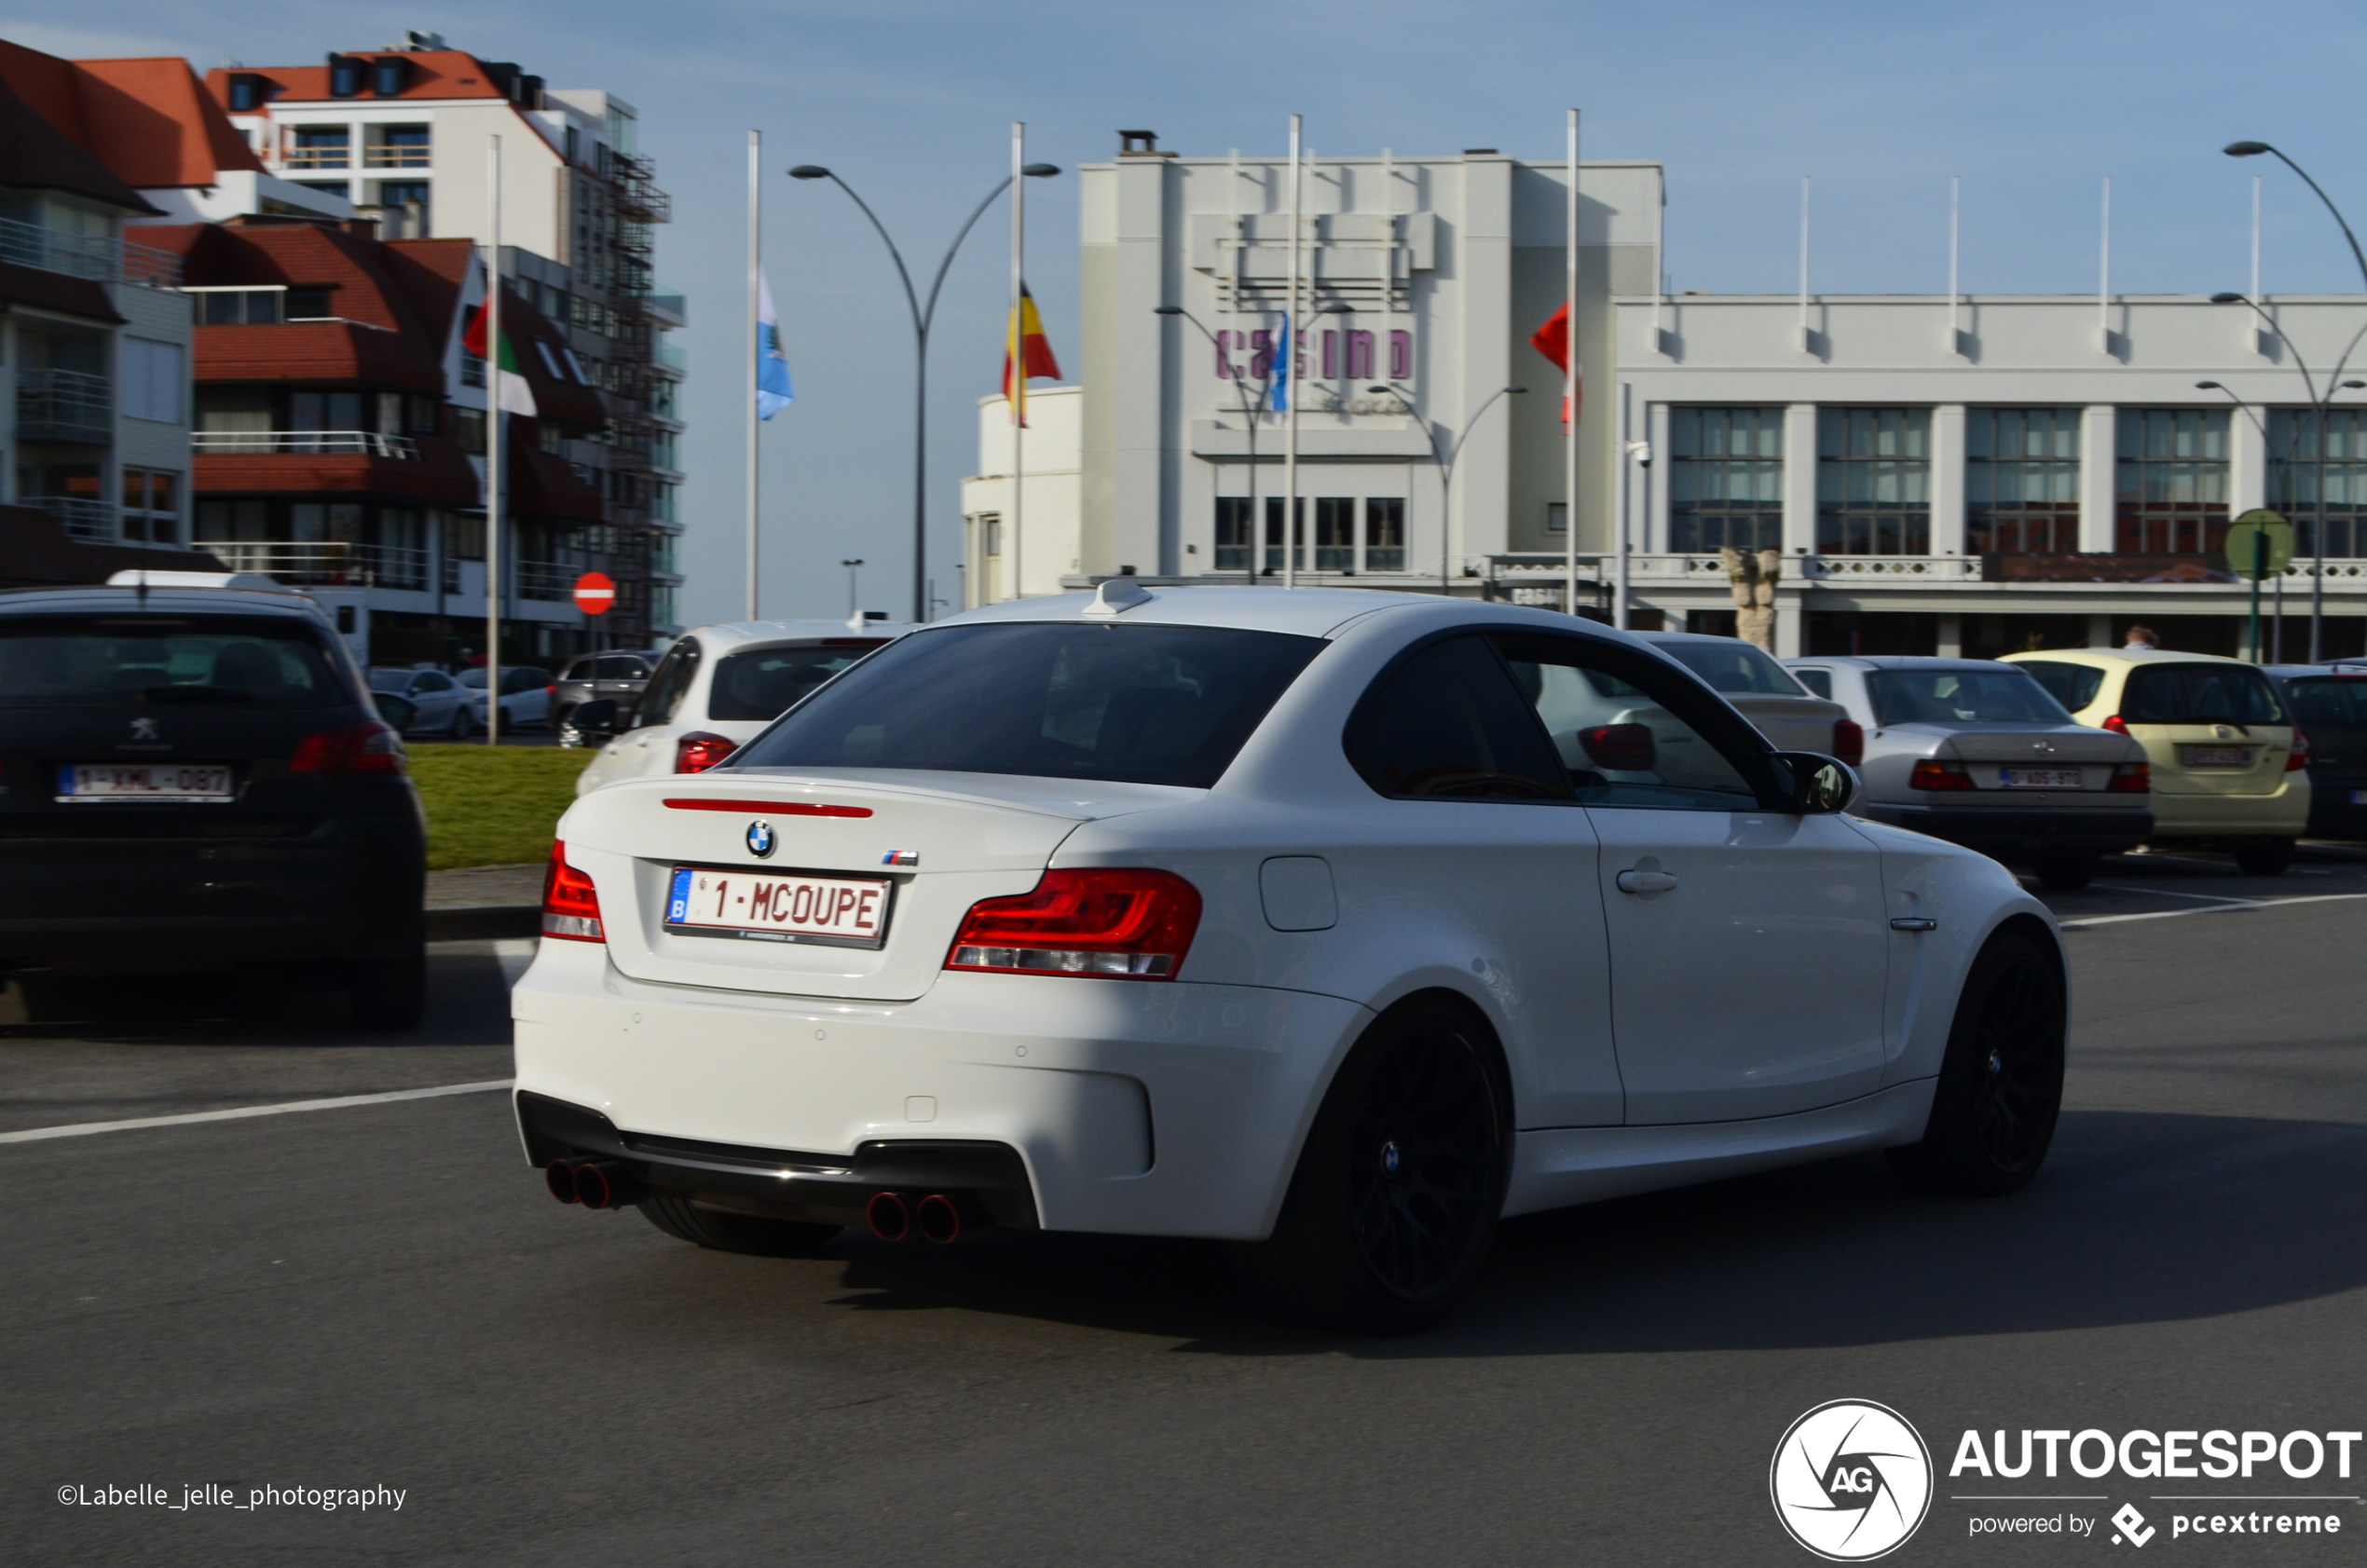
{"points": [[759, 839]]}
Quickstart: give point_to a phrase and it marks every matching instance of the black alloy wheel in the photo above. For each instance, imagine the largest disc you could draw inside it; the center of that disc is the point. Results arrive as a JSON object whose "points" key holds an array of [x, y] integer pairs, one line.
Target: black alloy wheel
{"points": [[2001, 1085]]}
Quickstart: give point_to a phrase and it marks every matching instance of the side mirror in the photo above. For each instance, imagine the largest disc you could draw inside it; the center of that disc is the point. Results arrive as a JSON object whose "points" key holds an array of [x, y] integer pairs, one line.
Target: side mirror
{"points": [[595, 717], [401, 712], [1815, 784]]}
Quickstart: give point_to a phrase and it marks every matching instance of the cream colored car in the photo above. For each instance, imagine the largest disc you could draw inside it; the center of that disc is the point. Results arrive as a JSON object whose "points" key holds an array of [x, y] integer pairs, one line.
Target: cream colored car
{"points": [[2230, 767]]}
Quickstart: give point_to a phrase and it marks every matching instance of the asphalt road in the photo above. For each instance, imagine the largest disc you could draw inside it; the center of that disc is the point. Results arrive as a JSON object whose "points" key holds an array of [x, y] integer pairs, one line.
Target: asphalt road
{"points": [[381, 1296]]}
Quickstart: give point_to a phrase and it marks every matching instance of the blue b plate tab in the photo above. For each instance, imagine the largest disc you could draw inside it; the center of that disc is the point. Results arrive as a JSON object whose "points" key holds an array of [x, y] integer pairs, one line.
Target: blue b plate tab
{"points": [[677, 897]]}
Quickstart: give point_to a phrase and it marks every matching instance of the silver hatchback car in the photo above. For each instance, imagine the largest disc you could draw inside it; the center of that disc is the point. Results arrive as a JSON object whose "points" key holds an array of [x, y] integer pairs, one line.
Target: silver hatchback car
{"points": [[1977, 753]]}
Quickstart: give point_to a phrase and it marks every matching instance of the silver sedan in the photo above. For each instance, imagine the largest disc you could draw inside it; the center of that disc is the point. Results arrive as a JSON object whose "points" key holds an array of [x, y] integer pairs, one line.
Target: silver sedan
{"points": [[1977, 753]]}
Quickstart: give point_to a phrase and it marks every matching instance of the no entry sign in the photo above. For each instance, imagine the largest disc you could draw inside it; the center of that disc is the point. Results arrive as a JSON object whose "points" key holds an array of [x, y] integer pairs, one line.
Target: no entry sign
{"points": [[595, 592]]}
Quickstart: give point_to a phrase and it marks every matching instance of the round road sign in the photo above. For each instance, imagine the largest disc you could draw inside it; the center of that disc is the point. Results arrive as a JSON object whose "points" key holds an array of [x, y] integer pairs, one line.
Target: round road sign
{"points": [[595, 592], [2271, 534]]}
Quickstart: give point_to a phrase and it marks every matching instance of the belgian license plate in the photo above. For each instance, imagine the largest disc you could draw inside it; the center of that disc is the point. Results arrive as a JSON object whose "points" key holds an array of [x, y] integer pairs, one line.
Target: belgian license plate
{"points": [[2216, 756], [779, 906], [2041, 778], [81, 782]]}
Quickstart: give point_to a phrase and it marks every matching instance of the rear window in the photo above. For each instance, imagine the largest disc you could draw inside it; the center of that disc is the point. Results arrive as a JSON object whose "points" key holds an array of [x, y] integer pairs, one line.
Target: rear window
{"points": [[2074, 686], [1734, 667], [2004, 695], [390, 681], [140, 662], [2332, 700], [2199, 694], [765, 683], [1134, 704]]}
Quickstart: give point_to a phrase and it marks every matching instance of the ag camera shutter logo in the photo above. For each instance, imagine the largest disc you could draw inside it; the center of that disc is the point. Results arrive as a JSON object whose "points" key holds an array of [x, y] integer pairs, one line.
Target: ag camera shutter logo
{"points": [[1851, 1480]]}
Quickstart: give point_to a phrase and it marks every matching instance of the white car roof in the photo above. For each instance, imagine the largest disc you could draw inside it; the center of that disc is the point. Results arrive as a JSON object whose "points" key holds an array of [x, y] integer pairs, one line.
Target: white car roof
{"points": [[1307, 612], [727, 634]]}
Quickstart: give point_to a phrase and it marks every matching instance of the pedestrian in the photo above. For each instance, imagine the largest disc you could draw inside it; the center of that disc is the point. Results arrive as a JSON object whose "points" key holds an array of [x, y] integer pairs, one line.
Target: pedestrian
{"points": [[2143, 636]]}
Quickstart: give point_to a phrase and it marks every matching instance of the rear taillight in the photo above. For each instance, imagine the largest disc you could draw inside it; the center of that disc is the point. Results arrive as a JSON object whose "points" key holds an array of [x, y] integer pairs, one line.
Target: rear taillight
{"points": [[2132, 778], [370, 746], [1930, 774], [2116, 724], [1622, 749], [2299, 756], [571, 904], [1116, 924], [1849, 742], [701, 750]]}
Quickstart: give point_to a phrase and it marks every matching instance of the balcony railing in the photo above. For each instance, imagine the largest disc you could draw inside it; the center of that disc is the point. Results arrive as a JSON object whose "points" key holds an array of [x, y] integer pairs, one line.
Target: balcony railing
{"points": [[349, 443], [324, 564], [546, 580], [399, 157], [69, 406], [670, 357], [87, 522], [87, 256], [317, 157]]}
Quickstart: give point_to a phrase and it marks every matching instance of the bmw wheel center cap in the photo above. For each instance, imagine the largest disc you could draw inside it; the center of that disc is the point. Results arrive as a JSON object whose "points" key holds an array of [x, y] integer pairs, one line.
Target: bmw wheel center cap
{"points": [[761, 839]]}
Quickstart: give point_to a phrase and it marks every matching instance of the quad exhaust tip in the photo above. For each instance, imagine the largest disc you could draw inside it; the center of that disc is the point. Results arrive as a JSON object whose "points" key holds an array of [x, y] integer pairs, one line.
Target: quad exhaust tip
{"points": [[938, 1219], [592, 1183], [889, 1216]]}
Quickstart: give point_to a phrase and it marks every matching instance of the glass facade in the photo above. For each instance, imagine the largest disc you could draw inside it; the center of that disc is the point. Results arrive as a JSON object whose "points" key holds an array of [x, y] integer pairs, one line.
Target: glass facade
{"points": [[1383, 532], [2293, 449], [2021, 480], [1874, 481], [1726, 479], [2170, 480]]}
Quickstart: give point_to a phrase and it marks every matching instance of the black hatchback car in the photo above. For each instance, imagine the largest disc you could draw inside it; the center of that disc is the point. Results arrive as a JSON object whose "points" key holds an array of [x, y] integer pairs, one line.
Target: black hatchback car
{"points": [[2329, 701], [195, 779]]}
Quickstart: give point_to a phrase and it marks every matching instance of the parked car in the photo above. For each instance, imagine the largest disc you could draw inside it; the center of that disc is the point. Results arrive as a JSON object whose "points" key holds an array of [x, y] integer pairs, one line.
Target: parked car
{"points": [[1307, 882], [439, 703], [2227, 764], [197, 781], [2329, 701], [615, 675], [1764, 691], [525, 698], [716, 688], [1977, 753]]}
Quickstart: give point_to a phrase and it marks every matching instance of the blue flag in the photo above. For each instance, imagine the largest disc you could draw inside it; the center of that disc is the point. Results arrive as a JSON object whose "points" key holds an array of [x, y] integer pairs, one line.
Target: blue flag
{"points": [[1277, 375], [773, 390]]}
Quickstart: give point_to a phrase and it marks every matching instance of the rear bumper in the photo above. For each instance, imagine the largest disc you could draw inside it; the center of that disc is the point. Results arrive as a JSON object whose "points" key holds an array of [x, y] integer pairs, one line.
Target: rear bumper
{"points": [[2332, 813], [1166, 1109], [2282, 814], [2027, 830]]}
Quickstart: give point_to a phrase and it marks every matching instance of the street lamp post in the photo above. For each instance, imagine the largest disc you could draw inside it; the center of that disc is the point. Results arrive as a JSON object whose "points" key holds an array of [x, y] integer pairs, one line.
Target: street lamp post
{"points": [[923, 316], [1445, 460], [854, 571], [2292, 455]]}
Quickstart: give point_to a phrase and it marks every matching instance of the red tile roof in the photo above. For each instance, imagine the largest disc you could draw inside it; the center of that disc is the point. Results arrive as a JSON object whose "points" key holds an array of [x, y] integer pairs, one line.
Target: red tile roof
{"points": [[36, 154], [150, 122], [440, 474], [433, 74]]}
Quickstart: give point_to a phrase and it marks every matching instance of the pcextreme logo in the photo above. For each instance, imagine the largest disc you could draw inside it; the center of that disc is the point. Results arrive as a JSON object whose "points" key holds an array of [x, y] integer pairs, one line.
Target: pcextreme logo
{"points": [[1851, 1480]]}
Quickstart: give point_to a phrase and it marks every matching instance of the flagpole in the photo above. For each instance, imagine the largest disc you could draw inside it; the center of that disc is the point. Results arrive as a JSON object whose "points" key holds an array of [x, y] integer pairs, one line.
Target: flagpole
{"points": [[1569, 387], [755, 262], [493, 450], [1016, 394], [1289, 372]]}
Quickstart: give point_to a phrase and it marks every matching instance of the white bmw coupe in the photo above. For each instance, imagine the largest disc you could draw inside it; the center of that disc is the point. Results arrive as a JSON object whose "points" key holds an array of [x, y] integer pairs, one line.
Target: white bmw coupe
{"points": [[1335, 924]]}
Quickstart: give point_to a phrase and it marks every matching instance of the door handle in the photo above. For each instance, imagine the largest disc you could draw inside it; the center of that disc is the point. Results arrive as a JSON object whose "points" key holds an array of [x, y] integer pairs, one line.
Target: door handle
{"points": [[1914, 923], [1645, 881]]}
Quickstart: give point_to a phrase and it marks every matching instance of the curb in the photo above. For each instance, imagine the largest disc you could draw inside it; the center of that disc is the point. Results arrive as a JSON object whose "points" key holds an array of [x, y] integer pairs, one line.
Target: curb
{"points": [[481, 923]]}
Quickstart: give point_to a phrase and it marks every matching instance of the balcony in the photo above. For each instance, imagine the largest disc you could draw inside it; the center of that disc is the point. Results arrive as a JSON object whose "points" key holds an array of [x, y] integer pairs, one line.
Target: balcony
{"points": [[546, 581], [87, 256], [84, 522], [670, 357], [306, 159], [398, 157], [346, 444], [324, 564], [66, 407]]}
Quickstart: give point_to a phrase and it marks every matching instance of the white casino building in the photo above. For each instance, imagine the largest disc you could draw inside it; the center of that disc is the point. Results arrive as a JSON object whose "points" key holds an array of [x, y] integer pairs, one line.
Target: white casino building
{"points": [[1975, 474]]}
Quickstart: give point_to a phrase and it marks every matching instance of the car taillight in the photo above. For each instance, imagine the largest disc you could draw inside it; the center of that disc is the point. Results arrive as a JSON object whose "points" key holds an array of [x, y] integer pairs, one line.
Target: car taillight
{"points": [[1849, 742], [571, 904], [2116, 724], [1116, 924], [2299, 756], [1624, 748], [1930, 774], [2132, 778], [701, 750], [370, 746]]}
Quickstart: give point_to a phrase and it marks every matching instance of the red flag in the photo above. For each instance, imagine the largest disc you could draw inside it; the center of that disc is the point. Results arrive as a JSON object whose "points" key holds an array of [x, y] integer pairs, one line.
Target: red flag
{"points": [[1035, 354], [1552, 340]]}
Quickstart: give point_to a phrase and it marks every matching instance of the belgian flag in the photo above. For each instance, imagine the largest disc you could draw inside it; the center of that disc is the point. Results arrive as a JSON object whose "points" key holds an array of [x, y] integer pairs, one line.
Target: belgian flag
{"points": [[1026, 344]]}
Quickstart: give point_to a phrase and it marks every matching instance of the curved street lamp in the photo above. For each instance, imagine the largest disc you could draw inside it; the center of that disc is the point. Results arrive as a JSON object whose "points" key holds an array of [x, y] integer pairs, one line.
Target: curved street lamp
{"points": [[2277, 616], [1446, 460], [924, 316]]}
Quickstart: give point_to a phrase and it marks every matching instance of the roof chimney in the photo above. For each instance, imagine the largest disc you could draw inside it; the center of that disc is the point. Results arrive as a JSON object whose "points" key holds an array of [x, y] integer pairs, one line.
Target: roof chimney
{"points": [[1140, 143]]}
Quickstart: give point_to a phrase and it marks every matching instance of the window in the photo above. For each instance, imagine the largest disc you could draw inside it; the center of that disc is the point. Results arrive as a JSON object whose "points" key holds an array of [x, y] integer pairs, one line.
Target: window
{"points": [[1383, 532], [991, 533], [2293, 477], [246, 92], [549, 362], [1873, 480], [548, 437], [1335, 533], [151, 506], [2002, 695], [1140, 704], [321, 146], [346, 76], [2329, 701], [236, 307], [1630, 732], [152, 380], [2170, 480], [765, 683], [2074, 686], [2199, 694], [1232, 533], [1730, 664], [468, 425], [2021, 480], [165, 661], [1819, 682], [389, 75], [1274, 534], [662, 699], [1726, 479], [1447, 724], [400, 193]]}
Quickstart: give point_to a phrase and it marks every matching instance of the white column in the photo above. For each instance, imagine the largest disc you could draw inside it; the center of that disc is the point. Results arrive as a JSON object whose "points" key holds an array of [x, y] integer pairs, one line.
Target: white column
{"points": [[1799, 479], [1651, 527], [2096, 477], [1952, 635], [1947, 479], [2247, 465]]}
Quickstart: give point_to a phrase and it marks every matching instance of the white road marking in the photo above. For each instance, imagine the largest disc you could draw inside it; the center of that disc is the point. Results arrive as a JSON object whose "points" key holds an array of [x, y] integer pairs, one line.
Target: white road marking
{"points": [[84, 1129], [2166, 893], [2214, 909]]}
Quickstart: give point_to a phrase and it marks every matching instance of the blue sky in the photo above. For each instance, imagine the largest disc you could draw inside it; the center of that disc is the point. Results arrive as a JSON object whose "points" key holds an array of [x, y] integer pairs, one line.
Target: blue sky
{"points": [[912, 100]]}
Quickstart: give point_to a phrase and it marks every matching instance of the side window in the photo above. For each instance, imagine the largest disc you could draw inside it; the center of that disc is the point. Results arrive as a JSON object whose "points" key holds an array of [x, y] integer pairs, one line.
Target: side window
{"points": [[1447, 724], [1818, 681], [1632, 733], [2074, 686], [662, 699], [615, 666], [431, 682]]}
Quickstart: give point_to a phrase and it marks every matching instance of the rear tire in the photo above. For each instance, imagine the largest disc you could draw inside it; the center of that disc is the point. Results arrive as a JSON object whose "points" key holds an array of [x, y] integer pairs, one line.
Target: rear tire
{"points": [[2067, 872], [389, 991], [1396, 1196], [2001, 1085], [2265, 857], [737, 1232]]}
